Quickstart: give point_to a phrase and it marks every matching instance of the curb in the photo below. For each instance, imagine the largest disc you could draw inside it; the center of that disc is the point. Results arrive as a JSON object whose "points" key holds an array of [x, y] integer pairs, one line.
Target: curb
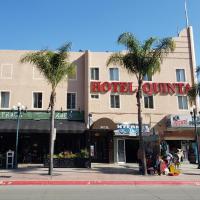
{"points": [[59, 182]]}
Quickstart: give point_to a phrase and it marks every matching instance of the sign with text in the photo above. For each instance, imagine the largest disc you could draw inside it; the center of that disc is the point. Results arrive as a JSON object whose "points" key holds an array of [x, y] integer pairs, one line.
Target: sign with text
{"points": [[181, 121], [125, 129], [148, 88], [40, 115]]}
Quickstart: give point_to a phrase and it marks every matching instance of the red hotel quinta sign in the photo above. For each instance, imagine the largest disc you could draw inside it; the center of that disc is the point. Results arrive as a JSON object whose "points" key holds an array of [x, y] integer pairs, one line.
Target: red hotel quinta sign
{"points": [[148, 88]]}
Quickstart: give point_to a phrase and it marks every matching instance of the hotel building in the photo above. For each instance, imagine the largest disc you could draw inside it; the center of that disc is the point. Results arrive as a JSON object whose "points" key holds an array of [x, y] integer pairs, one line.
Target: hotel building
{"points": [[97, 106]]}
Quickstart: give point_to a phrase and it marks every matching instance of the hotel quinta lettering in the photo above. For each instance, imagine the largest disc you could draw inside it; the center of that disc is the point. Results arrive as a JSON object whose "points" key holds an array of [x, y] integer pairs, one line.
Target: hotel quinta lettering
{"points": [[148, 88]]}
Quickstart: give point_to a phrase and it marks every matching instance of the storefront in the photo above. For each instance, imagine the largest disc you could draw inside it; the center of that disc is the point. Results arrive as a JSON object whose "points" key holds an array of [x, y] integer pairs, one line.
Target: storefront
{"points": [[34, 132], [101, 140], [126, 142], [180, 134]]}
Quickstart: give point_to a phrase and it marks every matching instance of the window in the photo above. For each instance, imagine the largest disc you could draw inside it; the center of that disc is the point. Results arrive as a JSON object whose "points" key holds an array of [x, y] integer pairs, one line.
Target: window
{"points": [[6, 71], [71, 100], [182, 102], [114, 101], [180, 75], [147, 78], [5, 98], [37, 100], [72, 76], [37, 75], [94, 96], [114, 74], [94, 73], [148, 101]]}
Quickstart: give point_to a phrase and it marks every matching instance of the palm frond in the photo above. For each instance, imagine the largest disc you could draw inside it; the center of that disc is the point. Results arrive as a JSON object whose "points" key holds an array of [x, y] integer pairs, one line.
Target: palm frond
{"points": [[148, 44], [53, 65], [116, 59], [129, 41], [194, 92], [163, 47]]}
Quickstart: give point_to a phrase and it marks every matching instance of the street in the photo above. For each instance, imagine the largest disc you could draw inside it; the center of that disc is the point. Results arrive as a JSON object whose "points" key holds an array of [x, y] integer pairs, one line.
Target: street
{"points": [[99, 192]]}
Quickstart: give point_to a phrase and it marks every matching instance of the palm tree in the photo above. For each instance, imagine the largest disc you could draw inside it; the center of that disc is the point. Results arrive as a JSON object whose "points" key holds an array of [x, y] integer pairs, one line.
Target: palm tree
{"points": [[140, 60], [55, 67], [195, 89]]}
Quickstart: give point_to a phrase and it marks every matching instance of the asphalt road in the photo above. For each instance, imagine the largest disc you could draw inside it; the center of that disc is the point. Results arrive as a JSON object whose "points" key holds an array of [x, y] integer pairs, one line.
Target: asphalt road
{"points": [[99, 192]]}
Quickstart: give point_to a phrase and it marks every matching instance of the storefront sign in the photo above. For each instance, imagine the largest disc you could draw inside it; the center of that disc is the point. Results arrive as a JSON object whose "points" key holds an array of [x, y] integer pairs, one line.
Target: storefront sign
{"points": [[149, 88], [125, 129], [181, 121], [34, 115]]}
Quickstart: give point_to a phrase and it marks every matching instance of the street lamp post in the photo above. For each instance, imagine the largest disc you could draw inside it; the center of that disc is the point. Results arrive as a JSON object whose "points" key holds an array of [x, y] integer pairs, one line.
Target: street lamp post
{"points": [[18, 111], [89, 137], [193, 113]]}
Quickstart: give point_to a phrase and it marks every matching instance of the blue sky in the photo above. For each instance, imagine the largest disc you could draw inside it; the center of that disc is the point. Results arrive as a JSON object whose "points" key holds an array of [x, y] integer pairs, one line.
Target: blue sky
{"points": [[92, 24]]}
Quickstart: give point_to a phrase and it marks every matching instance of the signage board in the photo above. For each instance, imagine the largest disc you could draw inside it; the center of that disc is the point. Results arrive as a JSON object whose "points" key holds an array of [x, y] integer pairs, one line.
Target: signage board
{"points": [[181, 121], [149, 88], [126, 129], [40, 115]]}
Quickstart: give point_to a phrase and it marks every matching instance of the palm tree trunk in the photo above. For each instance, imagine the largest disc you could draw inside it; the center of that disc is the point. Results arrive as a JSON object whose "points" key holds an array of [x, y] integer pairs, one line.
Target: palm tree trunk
{"points": [[139, 96], [51, 142]]}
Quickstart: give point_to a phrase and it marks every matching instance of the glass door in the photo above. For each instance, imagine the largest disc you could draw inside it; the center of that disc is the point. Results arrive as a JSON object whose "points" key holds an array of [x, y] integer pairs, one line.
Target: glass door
{"points": [[121, 158]]}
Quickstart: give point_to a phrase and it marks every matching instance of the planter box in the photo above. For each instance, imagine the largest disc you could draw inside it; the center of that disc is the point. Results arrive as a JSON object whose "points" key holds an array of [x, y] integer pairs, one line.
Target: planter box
{"points": [[69, 163]]}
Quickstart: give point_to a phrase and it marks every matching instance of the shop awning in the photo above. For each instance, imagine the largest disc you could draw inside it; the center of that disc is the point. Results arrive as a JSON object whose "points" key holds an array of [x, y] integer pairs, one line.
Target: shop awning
{"points": [[42, 126], [103, 124]]}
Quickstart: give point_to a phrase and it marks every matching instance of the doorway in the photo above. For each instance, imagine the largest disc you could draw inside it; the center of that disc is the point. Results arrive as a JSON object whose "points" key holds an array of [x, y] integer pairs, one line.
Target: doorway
{"points": [[121, 157], [131, 151]]}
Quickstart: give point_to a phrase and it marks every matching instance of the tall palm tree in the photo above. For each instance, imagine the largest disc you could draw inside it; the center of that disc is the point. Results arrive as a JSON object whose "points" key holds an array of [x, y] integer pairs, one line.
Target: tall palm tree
{"points": [[54, 66], [141, 59]]}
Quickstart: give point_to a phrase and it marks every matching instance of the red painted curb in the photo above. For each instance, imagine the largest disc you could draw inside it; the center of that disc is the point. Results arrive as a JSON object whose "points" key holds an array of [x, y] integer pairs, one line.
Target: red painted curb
{"points": [[54, 182]]}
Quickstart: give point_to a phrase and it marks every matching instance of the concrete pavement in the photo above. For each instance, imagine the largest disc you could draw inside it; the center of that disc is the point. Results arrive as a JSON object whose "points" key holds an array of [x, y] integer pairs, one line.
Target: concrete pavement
{"points": [[99, 174]]}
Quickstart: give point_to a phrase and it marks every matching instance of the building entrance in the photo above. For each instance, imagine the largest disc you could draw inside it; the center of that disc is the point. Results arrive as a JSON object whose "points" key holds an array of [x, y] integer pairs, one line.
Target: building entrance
{"points": [[131, 150]]}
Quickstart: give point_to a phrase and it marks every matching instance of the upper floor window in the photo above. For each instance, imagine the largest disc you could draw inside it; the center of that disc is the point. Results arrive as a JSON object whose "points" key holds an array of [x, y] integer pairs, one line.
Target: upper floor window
{"points": [[114, 101], [114, 74], [73, 74], [6, 71], [37, 74], [71, 100], [147, 78], [94, 73], [180, 75], [148, 101], [5, 99], [182, 102], [37, 99]]}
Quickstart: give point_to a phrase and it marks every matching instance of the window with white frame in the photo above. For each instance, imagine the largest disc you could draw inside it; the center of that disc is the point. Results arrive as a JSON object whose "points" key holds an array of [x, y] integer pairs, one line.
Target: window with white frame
{"points": [[94, 96], [73, 74], [148, 102], [5, 99], [114, 74], [6, 71], [180, 75], [114, 101], [37, 99], [94, 73], [182, 102], [71, 100], [147, 77]]}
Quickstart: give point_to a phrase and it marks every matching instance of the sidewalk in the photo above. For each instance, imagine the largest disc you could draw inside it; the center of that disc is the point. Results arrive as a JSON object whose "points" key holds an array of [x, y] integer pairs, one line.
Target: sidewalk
{"points": [[106, 174]]}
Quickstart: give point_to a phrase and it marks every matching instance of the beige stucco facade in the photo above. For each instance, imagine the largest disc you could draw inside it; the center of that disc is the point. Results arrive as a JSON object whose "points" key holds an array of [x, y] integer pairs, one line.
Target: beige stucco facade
{"points": [[21, 80]]}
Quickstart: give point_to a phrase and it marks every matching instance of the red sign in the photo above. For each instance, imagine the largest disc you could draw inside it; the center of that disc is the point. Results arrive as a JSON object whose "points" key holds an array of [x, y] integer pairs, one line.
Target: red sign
{"points": [[165, 88], [148, 88]]}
